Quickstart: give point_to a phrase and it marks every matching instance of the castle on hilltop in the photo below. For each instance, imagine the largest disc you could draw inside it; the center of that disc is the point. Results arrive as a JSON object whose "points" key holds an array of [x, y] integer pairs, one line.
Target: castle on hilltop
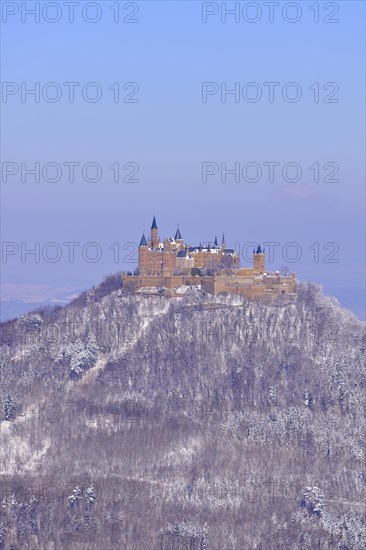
{"points": [[165, 266]]}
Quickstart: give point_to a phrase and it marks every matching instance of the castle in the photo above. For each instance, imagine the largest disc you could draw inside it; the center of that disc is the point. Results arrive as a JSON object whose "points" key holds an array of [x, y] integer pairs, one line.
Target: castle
{"points": [[165, 266]]}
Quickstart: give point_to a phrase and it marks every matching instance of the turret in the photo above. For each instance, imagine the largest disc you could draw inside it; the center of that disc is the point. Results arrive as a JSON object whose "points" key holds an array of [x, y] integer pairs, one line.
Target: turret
{"points": [[154, 234], [178, 236], [143, 241], [258, 260], [142, 255], [223, 244]]}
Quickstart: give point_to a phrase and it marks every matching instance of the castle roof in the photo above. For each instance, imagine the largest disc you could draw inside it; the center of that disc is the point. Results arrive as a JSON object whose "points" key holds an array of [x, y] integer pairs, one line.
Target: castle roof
{"points": [[178, 236], [207, 248], [181, 254], [259, 250], [154, 224], [143, 241]]}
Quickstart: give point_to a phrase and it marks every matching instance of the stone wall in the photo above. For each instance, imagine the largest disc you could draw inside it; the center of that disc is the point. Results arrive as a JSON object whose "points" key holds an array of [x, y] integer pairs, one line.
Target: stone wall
{"points": [[246, 285], [134, 282]]}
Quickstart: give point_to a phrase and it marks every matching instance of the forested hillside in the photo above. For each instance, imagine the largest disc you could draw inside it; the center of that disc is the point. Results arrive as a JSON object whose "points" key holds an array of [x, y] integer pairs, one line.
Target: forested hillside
{"points": [[198, 422]]}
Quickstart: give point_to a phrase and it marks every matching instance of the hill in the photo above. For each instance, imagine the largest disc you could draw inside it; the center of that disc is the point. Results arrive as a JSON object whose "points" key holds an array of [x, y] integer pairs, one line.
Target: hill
{"points": [[201, 422]]}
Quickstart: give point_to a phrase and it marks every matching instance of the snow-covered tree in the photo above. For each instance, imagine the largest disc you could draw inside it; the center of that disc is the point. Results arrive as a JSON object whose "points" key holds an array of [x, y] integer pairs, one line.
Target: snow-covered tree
{"points": [[313, 500], [3, 531], [90, 496], [76, 496], [9, 408]]}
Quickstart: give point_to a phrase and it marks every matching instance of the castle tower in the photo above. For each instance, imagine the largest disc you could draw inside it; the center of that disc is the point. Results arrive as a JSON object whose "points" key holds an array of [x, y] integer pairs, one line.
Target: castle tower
{"points": [[223, 244], [258, 260], [142, 255], [154, 234]]}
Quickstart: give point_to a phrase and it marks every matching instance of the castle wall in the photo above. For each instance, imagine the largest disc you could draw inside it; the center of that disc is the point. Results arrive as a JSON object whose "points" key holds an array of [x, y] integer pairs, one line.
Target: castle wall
{"points": [[134, 282], [249, 287], [156, 262]]}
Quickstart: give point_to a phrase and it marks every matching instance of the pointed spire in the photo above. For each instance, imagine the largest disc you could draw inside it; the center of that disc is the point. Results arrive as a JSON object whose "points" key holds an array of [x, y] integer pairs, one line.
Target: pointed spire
{"points": [[154, 224], [143, 241], [178, 236], [259, 250], [216, 245], [223, 244]]}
